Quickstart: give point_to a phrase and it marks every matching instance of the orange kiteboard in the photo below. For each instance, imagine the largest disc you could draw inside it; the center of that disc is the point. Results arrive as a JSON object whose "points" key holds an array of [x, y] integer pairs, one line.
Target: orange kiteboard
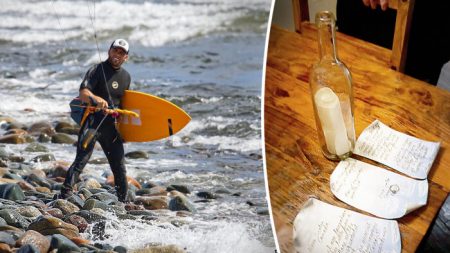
{"points": [[158, 118]]}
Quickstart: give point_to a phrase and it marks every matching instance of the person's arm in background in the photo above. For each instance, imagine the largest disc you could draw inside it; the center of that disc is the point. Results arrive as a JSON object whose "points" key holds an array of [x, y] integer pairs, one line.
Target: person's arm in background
{"points": [[373, 4]]}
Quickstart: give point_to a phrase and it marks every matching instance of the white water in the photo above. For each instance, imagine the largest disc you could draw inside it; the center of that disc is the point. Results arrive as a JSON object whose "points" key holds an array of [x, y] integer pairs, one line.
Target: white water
{"points": [[166, 22]]}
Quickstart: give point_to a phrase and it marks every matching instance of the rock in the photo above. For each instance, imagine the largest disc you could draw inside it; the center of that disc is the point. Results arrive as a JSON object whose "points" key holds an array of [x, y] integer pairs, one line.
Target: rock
{"points": [[7, 238], [103, 246], [29, 211], [5, 248], [63, 244], [55, 212], [132, 206], [262, 211], [180, 203], [26, 186], [44, 138], [106, 197], [85, 192], [70, 130], [16, 159], [94, 203], [34, 238], [12, 176], [16, 131], [154, 191], [48, 225], [41, 127], [43, 189], [257, 202], [80, 241], [136, 155], [98, 211], [90, 217], [60, 170], [28, 248], [62, 139], [65, 206], [126, 216], [3, 222], [142, 213], [36, 147], [98, 230], [61, 124], [130, 180], [78, 221], [152, 203], [102, 160], [11, 192], [206, 195], [38, 181], [3, 153], [183, 214], [44, 158], [90, 204], [15, 125], [160, 249], [39, 173], [181, 188], [13, 139], [223, 191], [92, 183], [120, 249], [147, 184], [76, 200], [13, 218]]}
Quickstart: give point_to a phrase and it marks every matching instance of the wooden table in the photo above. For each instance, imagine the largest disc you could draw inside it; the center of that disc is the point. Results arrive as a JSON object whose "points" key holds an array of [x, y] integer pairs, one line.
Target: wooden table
{"points": [[297, 169]]}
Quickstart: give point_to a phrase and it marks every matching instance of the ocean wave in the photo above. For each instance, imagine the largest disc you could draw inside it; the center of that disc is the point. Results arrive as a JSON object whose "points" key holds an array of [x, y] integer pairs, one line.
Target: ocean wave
{"points": [[153, 23], [200, 237]]}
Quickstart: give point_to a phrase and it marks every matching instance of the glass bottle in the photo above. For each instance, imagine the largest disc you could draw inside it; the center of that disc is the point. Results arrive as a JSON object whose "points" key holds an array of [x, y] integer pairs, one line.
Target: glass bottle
{"points": [[331, 89]]}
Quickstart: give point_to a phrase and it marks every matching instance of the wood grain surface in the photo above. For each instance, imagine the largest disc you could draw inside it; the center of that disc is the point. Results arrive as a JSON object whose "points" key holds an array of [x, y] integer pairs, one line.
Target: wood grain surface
{"points": [[296, 168]]}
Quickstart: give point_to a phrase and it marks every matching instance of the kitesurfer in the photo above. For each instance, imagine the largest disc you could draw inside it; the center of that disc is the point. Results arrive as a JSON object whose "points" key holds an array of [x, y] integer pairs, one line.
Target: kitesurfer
{"points": [[103, 86]]}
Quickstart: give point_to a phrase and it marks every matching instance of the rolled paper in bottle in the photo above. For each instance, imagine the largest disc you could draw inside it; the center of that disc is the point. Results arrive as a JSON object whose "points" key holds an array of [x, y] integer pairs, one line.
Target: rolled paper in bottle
{"points": [[332, 121]]}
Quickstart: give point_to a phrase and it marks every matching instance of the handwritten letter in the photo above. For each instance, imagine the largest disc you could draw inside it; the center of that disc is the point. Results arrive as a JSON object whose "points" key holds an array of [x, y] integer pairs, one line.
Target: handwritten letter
{"points": [[376, 190], [397, 150], [321, 227]]}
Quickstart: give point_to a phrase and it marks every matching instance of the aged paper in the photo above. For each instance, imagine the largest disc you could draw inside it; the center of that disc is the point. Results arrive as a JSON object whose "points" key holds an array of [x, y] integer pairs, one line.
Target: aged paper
{"points": [[378, 191], [397, 150], [323, 228]]}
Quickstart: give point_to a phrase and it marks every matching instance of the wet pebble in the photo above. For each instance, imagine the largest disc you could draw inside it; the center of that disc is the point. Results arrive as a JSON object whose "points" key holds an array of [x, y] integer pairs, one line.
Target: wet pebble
{"points": [[36, 147], [11, 192], [44, 158], [62, 139], [63, 244], [34, 238], [137, 155], [152, 202], [48, 225], [181, 188], [180, 203]]}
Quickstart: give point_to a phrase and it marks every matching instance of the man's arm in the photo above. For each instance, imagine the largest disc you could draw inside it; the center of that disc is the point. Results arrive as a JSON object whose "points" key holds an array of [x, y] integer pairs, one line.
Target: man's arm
{"points": [[86, 95]]}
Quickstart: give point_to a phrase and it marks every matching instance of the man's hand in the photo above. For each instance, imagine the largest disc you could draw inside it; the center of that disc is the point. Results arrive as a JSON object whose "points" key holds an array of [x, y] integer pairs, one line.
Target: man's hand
{"points": [[373, 4], [88, 97]]}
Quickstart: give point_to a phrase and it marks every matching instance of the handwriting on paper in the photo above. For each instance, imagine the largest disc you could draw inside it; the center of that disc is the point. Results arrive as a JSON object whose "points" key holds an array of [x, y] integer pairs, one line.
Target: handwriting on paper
{"points": [[321, 227], [375, 190], [399, 151]]}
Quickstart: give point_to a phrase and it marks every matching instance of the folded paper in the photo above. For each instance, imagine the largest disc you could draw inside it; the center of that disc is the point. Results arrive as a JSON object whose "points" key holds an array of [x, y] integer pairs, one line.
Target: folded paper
{"points": [[404, 153], [321, 227], [378, 191]]}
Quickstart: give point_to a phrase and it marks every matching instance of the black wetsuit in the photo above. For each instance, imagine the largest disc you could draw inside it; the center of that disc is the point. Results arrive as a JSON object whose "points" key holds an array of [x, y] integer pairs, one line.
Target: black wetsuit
{"points": [[117, 81]]}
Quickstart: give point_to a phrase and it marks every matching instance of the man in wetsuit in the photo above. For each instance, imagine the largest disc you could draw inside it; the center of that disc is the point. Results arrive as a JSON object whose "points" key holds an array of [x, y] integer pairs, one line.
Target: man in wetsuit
{"points": [[104, 85]]}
